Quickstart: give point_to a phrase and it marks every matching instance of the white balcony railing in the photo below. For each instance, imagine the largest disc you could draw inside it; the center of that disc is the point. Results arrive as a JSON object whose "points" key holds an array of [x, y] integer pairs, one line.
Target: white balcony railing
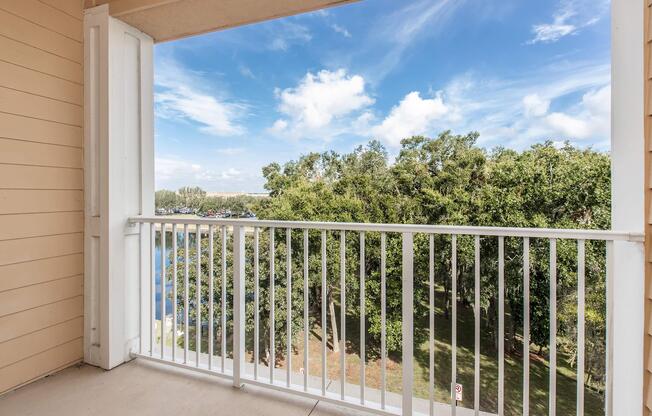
{"points": [[245, 266]]}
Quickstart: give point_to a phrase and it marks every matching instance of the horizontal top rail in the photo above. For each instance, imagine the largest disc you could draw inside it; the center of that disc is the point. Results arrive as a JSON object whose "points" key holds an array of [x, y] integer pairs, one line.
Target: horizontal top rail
{"points": [[575, 234]]}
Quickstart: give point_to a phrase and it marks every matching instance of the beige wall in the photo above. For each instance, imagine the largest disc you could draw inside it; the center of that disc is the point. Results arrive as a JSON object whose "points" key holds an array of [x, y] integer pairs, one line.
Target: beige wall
{"points": [[41, 182]]}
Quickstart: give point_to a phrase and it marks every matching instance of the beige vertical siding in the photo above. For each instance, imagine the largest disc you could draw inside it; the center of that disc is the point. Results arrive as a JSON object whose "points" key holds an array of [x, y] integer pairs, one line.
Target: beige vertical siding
{"points": [[41, 188]]}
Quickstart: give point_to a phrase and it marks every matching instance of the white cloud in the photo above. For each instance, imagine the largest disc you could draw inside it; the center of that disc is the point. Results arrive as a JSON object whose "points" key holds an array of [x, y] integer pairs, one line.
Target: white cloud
{"points": [[181, 95], [288, 34], [230, 173], [216, 117], [598, 101], [319, 101], [173, 172], [591, 118], [279, 126], [535, 106], [412, 116], [183, 171], [570, 17], [568, 126], [341, 30], [168, 168], [516, 113]]}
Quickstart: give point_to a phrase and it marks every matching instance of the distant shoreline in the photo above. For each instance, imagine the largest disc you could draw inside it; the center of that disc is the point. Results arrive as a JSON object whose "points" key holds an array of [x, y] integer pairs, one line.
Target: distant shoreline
{"points": [[231, 194], [234, 194]]}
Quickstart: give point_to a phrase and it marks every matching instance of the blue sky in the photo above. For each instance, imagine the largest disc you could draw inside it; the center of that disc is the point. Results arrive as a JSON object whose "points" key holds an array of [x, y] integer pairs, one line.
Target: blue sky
{"points": [[519, 72]]}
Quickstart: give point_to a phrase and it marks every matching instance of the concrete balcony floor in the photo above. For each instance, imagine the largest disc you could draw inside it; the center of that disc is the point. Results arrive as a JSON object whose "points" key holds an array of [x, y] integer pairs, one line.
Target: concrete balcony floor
{"points": [[143, 388]]}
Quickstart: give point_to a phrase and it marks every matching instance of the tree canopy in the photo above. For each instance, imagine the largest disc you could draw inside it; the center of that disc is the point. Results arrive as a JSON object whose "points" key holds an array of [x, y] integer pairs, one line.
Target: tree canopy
{"points": [[444, 180]]}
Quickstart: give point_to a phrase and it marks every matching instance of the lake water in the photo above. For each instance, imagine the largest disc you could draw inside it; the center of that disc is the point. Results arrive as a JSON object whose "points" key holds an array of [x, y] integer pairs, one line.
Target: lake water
{"points": [[168, 264]]}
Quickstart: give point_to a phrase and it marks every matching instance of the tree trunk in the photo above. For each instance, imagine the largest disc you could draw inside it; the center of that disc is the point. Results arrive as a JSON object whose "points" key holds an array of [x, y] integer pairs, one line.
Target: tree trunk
{"points": [[331, 309], [447, 303], [493, 325], [511, 331], [266, 348]]}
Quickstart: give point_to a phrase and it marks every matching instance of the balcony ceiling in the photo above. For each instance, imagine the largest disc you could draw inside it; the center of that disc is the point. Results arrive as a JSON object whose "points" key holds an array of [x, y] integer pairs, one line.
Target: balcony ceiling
{"points": [[173, 19]]}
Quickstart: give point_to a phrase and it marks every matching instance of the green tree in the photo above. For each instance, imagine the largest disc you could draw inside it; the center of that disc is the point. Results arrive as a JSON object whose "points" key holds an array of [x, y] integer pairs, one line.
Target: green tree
{"points": [[191, 196], [166, 199], [444, 180]]}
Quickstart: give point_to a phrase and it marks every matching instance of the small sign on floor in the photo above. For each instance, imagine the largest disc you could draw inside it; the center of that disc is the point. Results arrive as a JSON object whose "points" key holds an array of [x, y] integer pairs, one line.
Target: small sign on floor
{"points": [[459, 392]]}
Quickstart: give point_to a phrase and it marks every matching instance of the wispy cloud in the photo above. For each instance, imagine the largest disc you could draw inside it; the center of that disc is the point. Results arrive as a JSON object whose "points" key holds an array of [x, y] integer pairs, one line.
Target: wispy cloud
{"points": [[181, 94], [570, 17], [287, 34], [552, 32], [517, 112], [341, 30], [173, 172], [246, 72], [173, 167], [398, 31]]}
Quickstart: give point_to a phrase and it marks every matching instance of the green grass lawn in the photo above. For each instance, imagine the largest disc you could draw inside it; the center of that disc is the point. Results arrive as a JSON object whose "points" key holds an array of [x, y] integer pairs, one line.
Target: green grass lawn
{"points": [[539, 372]]}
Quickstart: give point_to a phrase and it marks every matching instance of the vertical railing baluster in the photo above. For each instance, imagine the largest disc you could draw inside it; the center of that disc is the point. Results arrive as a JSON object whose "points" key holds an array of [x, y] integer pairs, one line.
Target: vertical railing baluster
{"points": [[163, 281], [383, 317], [526, 326], [342, 314], [256, 303], [609, 281], [174, 292], [306, 333], [407, 311], [501, 326], [152, 291], [454, 324], [288, 308], [476, 316], [141, 287], [431, 324], [581, 295], [211, 306], [272, 311], [323, 312], [198, 295], [363, 330], [552, 388], [223, 299], [407, 318], [238, 304], [186, 290]]}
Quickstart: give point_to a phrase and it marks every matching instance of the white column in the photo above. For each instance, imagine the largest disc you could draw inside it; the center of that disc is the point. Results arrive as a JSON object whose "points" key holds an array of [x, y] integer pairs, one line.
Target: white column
{"points": [[628, 208], [119, 183]]}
